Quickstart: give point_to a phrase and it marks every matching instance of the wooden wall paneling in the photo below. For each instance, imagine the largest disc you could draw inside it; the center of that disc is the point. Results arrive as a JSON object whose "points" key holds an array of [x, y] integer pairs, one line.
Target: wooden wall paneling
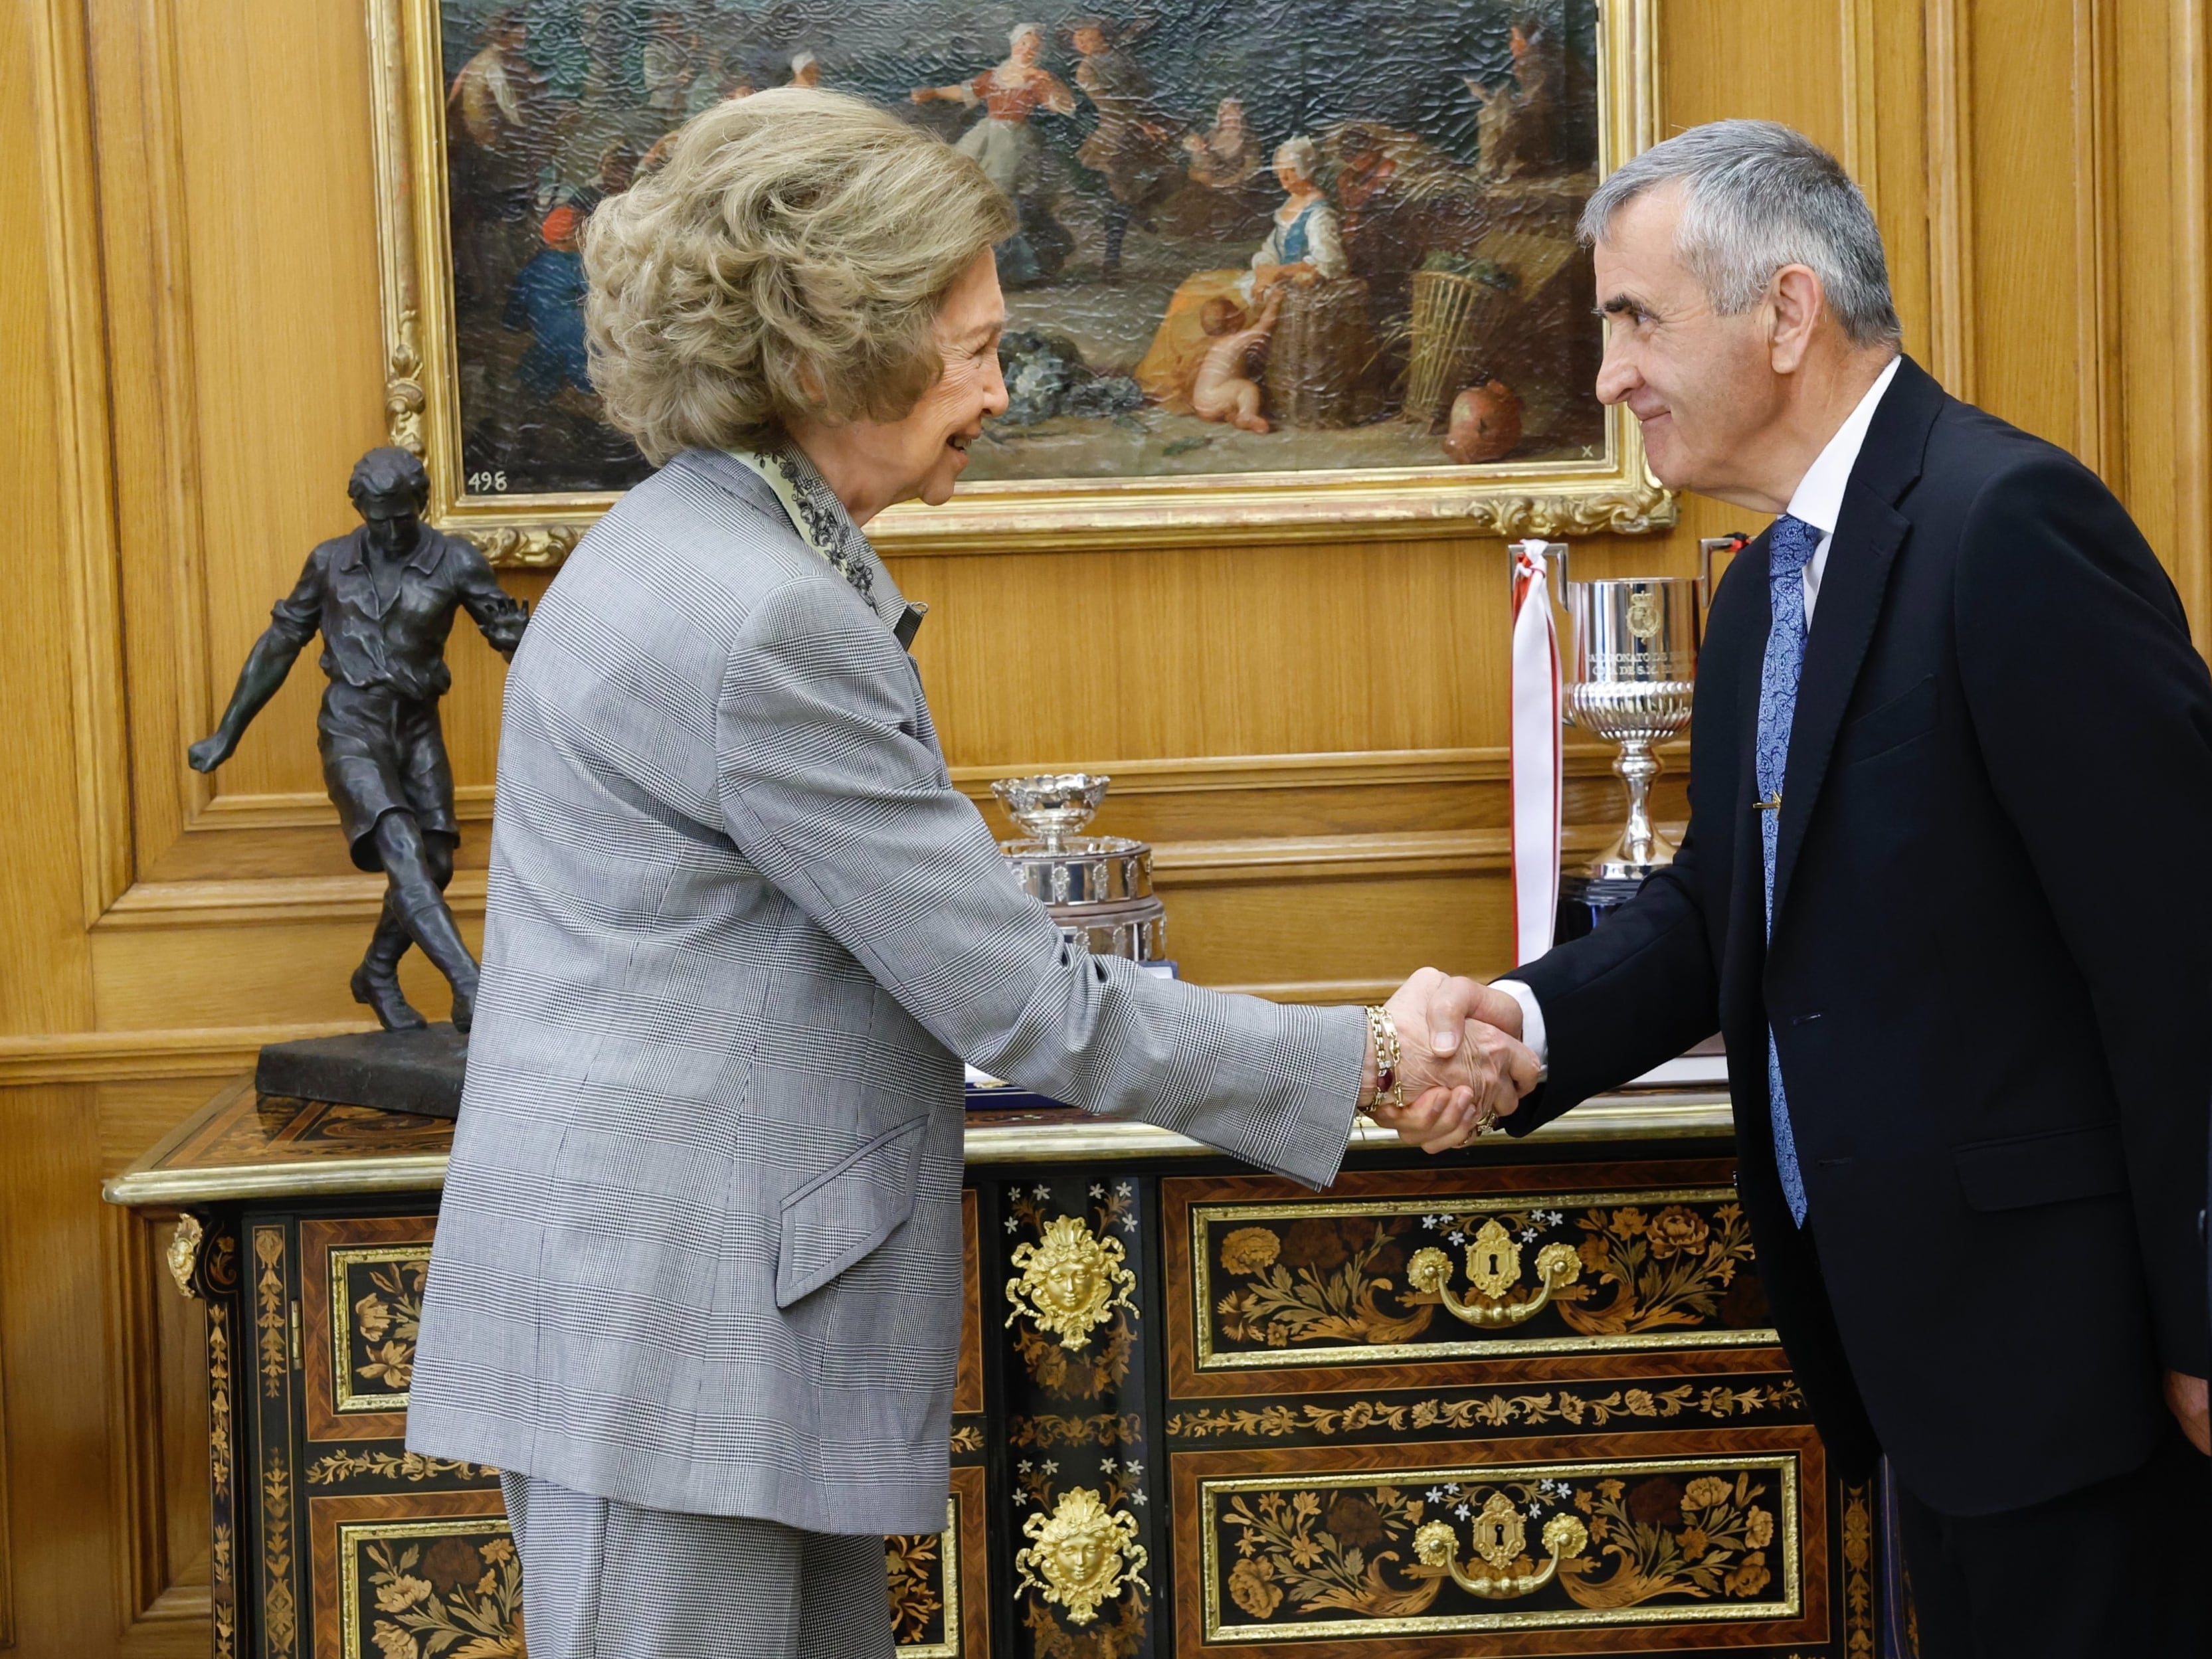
{"points": [[156, 436], [1949, 94], [2027, 289], [1724, 58], [70, 237], [55, 1345], [44, 982], [1855, 58], [1896, 104], [273, 125], [6, 1552], [2189, 338], [2096, 312], [1312, 736]]}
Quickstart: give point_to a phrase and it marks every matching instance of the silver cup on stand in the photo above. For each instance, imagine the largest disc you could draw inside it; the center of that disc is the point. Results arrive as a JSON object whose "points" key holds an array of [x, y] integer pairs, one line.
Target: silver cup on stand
{"points": [[1631, 673]]}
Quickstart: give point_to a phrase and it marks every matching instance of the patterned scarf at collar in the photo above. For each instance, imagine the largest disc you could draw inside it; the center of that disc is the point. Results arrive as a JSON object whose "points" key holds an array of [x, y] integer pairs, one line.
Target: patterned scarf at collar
{"points": [[814, 509]]}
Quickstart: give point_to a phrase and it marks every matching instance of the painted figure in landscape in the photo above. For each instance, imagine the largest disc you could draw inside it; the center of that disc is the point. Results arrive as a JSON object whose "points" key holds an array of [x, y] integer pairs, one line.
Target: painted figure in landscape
{"points": [[383, 597], [1005, 145], [547, 301], [1130, 149], [1222, 389], [1408, 180]]}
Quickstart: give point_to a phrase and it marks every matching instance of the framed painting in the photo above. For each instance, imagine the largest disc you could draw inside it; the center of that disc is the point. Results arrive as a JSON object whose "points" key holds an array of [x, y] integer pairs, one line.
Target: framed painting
{"points": [[1284, 270]]}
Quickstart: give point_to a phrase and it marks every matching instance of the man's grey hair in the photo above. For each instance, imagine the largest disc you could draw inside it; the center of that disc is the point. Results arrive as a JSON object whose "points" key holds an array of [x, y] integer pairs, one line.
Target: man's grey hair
{"points": [[1758, 195]]}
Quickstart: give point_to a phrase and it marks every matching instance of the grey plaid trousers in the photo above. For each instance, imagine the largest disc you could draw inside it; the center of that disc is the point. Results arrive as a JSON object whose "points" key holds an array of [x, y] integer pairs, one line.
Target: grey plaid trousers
{"points": [[606, 1580]]}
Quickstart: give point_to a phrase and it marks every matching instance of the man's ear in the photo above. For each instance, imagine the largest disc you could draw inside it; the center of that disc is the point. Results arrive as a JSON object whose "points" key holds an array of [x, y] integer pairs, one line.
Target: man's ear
{"points": [[1797, 304]]}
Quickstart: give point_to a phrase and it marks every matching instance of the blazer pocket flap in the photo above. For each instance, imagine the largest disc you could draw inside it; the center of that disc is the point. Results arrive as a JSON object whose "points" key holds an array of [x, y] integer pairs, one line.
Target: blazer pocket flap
{"points": [[2050, 1168], [843, 1213], [1890, 726]]}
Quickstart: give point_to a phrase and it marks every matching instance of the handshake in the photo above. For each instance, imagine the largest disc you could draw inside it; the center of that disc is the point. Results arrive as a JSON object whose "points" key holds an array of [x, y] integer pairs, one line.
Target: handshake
{"points": [[1462, 1065]]}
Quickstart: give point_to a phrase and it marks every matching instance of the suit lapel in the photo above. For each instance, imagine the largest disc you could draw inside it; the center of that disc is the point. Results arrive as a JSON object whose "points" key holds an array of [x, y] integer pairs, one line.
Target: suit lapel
{"points": [[1868, 532]]}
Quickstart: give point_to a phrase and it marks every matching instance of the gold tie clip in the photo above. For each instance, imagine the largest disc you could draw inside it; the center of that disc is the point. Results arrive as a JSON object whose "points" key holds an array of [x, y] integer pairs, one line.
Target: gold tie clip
{"points": [[1771, 804]]}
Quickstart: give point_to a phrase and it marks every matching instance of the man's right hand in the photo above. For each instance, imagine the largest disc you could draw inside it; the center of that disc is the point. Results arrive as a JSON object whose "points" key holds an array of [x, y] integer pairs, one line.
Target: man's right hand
{"points": [[211, 752]]}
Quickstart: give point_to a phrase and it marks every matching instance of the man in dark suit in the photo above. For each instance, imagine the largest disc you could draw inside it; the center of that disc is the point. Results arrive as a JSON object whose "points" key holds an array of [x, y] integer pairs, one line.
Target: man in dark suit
{"points": [[1949, 731]]}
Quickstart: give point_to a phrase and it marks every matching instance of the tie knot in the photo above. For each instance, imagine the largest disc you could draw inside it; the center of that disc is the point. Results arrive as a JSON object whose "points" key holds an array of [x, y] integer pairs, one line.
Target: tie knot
{"points": [[1789, 547]]}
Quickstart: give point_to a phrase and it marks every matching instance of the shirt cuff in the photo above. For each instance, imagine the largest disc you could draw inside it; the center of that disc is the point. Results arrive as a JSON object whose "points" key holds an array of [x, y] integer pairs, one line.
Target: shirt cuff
{"points": [[1532, 1018]]}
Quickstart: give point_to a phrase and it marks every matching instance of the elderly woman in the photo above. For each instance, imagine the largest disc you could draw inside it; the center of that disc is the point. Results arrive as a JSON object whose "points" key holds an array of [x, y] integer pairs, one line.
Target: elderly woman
{"points": [[697, 1284]]}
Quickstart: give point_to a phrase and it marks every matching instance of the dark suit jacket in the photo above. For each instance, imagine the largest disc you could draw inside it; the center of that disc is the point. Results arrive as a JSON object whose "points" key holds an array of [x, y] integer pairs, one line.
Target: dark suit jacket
{"points": [[1991, 974]]}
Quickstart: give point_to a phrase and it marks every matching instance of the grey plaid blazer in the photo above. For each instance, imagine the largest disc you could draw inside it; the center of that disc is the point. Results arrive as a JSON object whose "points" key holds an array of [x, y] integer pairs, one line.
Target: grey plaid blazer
{"points": [[700, 1247]]}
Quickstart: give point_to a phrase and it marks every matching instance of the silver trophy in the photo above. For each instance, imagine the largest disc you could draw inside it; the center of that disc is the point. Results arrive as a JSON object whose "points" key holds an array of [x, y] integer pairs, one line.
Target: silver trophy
{"points": [[1098, 888], [1632, 669]]}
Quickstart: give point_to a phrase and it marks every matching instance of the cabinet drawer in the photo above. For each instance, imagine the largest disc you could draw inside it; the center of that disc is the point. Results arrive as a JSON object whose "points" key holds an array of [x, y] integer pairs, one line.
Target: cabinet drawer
{"points": [[1405, 1279], [1564, 1547]]}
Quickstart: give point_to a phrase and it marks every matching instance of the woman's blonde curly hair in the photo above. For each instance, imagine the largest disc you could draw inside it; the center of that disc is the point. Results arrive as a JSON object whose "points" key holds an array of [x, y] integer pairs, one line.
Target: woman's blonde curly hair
{"points": [[789, 231]]}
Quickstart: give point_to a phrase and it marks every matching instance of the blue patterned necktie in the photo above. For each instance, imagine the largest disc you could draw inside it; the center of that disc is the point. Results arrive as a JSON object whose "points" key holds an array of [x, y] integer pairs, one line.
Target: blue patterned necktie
{"points": [[1788, 550]]}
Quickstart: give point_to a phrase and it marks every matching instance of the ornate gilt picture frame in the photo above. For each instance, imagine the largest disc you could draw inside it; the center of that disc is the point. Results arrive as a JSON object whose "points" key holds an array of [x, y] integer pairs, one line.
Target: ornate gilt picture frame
{"points": [[1384, 260]]}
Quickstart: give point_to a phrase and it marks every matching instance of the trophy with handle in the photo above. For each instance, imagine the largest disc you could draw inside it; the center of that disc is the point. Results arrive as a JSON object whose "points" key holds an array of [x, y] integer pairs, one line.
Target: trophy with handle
{"points": [[1630, 672]]}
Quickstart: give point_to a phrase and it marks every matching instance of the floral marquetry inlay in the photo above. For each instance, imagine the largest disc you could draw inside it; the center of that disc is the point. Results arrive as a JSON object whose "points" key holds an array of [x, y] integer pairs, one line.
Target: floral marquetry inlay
{"points": [[376, 1314], [447, 1589], [1442, 1551], [923, 1569], [1277, 1283]]}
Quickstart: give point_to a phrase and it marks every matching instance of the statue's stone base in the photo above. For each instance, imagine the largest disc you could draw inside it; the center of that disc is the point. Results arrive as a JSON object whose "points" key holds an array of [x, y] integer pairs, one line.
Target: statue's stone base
{"points": [[417, 1072]]}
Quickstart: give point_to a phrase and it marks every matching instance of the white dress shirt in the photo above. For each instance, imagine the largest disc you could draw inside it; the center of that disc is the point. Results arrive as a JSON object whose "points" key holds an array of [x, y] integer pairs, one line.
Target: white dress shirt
{"points": [[1819, 502]]}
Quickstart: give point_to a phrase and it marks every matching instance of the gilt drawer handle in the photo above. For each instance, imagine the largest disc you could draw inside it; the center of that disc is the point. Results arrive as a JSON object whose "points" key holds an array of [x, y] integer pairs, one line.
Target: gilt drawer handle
{"points": [[1493, 1271], [1501, 1537]]}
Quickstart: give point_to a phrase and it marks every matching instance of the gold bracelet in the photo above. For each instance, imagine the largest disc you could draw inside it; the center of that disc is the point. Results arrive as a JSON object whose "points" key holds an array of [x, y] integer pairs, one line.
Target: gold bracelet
{"points": [[1383, 1031]]}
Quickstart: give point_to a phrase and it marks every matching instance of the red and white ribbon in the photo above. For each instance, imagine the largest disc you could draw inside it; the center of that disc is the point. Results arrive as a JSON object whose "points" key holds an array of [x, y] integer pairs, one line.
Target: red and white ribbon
{"points": [[1535, 755]]}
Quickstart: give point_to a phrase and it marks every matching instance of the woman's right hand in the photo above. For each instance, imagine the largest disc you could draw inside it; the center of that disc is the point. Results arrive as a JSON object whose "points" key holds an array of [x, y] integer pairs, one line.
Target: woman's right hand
{"points": [[1461, 1073]]}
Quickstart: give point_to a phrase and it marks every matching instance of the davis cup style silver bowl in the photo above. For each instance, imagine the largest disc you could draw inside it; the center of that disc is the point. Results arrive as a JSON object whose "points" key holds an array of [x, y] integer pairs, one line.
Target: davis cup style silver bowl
{"points": [[1099, 888]]}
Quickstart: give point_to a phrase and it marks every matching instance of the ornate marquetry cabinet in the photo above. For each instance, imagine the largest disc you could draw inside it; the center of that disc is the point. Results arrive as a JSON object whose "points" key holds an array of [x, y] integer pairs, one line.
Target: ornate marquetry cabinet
{"points": [[1524, 1400]]}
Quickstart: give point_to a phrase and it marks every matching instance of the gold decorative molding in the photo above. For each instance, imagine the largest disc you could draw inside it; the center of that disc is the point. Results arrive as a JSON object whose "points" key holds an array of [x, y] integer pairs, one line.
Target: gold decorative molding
{"points": [[1493, 1271], [1081, 1555], [924, 1570], [183, 1255], [1500, 1533], [1685, 1115], [1070, 1281]]}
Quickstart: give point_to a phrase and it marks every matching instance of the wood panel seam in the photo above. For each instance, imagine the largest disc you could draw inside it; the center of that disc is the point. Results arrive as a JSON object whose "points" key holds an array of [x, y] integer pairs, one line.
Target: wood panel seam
{"points": [[77, 336], [1950, 197]]}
